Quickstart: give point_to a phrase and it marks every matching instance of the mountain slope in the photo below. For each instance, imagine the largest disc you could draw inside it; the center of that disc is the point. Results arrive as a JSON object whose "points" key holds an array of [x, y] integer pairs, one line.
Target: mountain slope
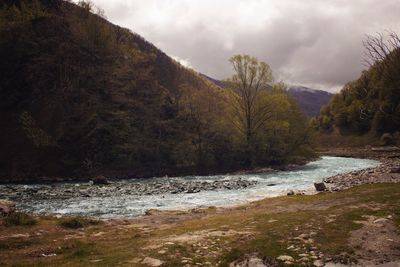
{"points": [[80, 96], [309, 100]]}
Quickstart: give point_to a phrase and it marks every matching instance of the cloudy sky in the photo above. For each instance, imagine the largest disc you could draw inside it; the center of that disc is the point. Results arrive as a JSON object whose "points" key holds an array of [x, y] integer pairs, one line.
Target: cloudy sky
{"points": [[316, 43]]}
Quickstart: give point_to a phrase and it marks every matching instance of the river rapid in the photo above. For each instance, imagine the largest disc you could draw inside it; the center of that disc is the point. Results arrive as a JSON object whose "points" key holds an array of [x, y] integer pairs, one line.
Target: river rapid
{"points": [[132, 197]]}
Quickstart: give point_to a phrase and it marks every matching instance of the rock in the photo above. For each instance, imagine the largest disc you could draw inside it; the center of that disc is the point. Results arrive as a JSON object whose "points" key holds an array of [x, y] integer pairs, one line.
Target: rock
{"points": [[152, 212], [318, 263], [100, 180], [152, 262], [320, 186], [290, 193], [304, 259], [385, 149], [6, 207], [380, 220], [394, 170], [285, 258], [48, 255], [253, 261]]}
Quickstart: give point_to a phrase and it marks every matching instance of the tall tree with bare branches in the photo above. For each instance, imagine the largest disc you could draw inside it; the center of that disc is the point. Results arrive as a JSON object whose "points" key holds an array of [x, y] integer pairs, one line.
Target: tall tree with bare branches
{"points": [[247, 87], [379, 47]]}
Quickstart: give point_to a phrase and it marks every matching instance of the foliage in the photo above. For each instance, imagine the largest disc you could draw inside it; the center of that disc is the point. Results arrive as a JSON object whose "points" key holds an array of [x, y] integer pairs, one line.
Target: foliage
{"points": [[372, 102], [269, 125], [387, 139], [82, 97]]}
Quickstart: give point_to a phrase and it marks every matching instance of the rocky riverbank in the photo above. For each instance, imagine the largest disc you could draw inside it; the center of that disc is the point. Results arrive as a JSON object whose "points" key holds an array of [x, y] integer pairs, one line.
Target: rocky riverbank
{"points": [[387, 172], [67, 191]]}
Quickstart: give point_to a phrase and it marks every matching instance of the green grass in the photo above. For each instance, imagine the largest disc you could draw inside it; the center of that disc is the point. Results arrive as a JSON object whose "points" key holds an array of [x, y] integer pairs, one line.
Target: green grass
{"points": [[274, 223], [19, 219]]}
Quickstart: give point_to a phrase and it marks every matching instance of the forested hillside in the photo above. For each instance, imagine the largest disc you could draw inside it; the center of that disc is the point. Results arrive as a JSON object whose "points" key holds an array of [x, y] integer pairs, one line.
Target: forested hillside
{"points": [[372, 102], [80, 96]]}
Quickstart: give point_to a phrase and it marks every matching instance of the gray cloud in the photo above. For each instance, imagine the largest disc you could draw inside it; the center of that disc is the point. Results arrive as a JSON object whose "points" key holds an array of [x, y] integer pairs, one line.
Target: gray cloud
{"points": [[313, 43]]}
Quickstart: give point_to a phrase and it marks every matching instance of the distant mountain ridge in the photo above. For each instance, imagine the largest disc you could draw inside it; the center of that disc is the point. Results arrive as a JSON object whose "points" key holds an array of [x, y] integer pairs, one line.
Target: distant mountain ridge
{"points": [[309, 100]]}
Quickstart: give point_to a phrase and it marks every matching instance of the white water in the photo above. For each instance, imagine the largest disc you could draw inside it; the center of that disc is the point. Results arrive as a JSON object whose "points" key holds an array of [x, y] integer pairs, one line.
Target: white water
{"points": [[132, 205]]}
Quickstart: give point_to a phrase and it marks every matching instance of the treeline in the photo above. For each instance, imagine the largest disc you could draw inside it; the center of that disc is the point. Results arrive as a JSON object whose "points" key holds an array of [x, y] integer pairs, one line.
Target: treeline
{"points": [[372, 102], [80, 96]]}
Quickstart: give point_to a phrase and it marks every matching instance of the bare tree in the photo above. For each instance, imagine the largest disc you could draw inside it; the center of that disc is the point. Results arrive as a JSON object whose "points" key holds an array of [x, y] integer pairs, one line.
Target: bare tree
{"points": [[378, 47], [250, 78]]}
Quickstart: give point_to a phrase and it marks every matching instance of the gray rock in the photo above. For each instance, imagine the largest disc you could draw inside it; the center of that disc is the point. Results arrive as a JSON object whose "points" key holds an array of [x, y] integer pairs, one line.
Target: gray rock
{"points": [[285, 258], [320, 187], [152, 262], [6, 207]]}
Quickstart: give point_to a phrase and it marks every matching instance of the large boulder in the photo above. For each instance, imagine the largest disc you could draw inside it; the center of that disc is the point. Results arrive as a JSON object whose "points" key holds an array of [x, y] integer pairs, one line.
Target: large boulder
{"points": [[320, 187], [6, 207]]}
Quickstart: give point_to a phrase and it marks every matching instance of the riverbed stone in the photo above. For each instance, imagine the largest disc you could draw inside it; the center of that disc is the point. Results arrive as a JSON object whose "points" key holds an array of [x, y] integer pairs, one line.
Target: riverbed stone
{"points": [[152, 262], [285, 258], [320, 187], [6, 207]]}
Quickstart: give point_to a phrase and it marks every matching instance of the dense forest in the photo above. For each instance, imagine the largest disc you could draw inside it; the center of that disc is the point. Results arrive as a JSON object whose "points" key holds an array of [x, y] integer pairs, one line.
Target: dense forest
{"points": [[370, 104], [80, 97]]}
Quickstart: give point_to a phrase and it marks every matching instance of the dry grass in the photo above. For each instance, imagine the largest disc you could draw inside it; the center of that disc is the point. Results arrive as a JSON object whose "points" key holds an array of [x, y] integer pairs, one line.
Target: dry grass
{"points": [[266, 228]]}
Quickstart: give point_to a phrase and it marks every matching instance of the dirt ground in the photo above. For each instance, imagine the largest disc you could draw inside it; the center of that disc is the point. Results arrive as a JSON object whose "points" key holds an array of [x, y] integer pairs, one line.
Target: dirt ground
{"points": [[357, 226]]}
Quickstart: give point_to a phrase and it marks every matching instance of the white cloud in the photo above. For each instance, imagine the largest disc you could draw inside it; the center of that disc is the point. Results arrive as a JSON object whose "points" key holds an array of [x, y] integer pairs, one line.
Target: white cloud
{"points": [[306, 42], [183, 62]]}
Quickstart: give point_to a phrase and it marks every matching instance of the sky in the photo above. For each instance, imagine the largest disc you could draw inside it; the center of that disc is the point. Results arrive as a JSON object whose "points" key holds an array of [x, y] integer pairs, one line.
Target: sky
{"points": [[314, 43]]}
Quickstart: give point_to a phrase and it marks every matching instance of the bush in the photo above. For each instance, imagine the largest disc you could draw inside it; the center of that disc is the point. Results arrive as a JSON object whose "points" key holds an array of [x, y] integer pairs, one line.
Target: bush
{"points": [[75, 223], [387, 139], [19, 219]]}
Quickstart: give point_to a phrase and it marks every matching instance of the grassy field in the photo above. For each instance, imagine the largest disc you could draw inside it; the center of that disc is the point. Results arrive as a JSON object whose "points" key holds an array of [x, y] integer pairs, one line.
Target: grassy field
{"points": [[307, 228]]}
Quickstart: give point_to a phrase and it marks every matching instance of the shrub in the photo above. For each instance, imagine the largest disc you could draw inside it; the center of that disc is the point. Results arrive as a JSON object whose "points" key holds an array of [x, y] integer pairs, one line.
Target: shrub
{"points": [[75, 223], [19, 219], [387, 139]]}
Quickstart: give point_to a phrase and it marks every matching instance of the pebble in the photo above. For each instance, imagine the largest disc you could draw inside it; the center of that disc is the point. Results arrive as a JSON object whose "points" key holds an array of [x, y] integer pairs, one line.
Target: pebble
{"points": [[285, 258], [65, 191], [152, 262], [318, 263]]}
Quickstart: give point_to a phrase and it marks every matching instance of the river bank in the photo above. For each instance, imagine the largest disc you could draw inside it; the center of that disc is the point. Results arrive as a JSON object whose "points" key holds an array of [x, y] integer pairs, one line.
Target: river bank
{"points": [[129, 198], [358, 224], [388, 171]]}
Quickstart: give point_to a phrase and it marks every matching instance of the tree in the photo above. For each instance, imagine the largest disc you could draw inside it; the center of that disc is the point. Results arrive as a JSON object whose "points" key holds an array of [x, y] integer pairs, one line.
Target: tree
{"points": [[378, 48], [248, 88]]}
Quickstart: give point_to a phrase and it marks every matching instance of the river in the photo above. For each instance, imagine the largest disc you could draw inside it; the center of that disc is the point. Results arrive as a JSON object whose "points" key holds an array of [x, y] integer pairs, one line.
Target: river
{"points": [[120, 199]]}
